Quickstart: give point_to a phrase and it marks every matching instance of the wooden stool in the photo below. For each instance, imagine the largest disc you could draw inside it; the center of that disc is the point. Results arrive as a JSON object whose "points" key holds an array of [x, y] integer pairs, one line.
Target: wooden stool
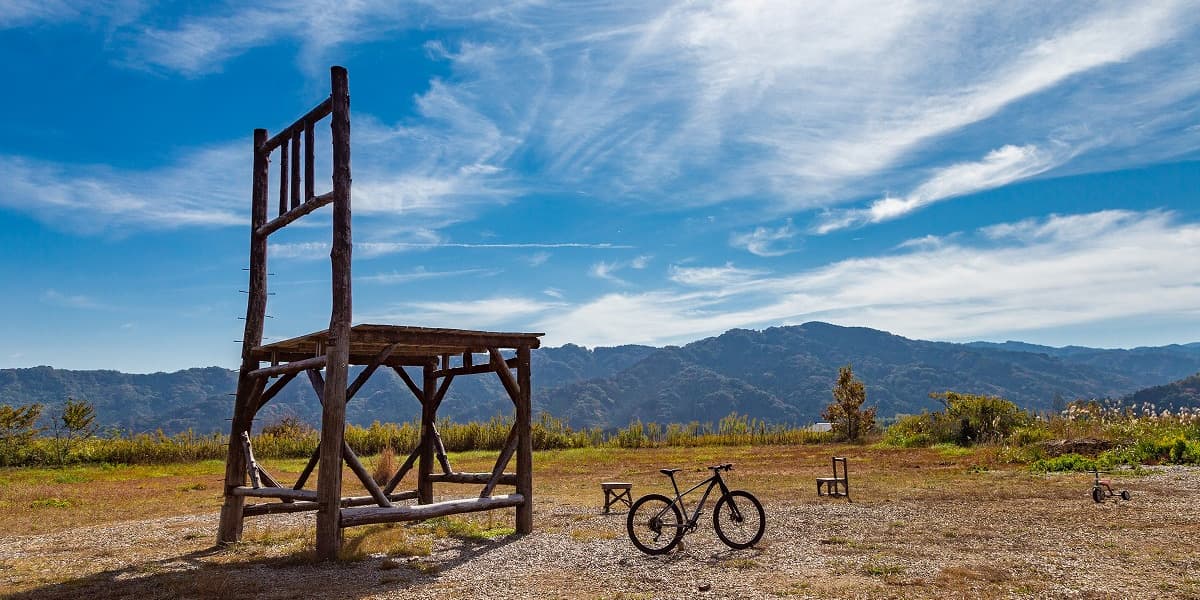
{"points": [[615, 492]]}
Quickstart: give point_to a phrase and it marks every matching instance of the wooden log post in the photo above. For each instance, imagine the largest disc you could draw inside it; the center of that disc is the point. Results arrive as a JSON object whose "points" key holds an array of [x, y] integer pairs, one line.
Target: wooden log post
{"points": [[428, 416], [230, 528], [333, 415], [524, 443]]}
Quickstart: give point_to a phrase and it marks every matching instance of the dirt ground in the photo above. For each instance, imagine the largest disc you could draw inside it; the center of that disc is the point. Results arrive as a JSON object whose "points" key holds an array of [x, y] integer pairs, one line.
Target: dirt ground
{"points": [[921, 525]]}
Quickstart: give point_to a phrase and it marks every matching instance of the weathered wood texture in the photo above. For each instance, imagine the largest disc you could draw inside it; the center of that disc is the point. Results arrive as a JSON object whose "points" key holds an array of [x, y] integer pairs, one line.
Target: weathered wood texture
{"points": [[273, 390], [230, 528], [404, 468], [363, 475], [320, 111], [434, 350], [524, 443], [418, 344], [273, 508], [333, 414], [276, 492], [366, 516], [295, 191], [428, 415], [315, 362], [283, 178], [504, 478], [295, 213], [510, 446]]}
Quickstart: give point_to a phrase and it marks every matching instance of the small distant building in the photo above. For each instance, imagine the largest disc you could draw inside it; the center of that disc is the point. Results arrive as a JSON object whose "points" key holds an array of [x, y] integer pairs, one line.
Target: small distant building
{"points": [[821, 427]]}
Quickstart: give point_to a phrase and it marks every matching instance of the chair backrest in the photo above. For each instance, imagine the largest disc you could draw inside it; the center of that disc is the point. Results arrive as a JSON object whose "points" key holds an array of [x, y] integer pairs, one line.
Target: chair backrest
{"points": [[845, 474]]}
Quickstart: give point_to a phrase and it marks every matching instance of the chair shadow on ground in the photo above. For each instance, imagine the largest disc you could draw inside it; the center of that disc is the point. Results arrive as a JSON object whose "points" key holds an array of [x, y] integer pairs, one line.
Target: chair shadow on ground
{"points": [[218, 572]]}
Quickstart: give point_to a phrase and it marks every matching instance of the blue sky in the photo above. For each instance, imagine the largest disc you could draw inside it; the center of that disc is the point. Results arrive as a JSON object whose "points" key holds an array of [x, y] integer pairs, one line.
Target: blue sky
{"points": [[653, 172]]}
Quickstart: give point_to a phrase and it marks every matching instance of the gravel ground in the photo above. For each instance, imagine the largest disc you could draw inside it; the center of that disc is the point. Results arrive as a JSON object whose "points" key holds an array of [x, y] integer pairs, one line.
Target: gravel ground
{"points": [[1012, 541]]}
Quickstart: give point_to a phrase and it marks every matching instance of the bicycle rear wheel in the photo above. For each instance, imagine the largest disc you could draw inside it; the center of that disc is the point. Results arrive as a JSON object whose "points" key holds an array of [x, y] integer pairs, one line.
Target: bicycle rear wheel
{"points": [[739, 519], [654, 524]]}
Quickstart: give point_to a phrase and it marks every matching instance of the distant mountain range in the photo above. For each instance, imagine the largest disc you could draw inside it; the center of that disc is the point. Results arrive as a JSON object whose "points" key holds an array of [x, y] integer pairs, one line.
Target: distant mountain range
{"points": [[781, 374]]}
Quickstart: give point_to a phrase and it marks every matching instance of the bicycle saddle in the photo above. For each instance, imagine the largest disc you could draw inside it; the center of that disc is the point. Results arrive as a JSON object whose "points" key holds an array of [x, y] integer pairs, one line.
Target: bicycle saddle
{"points": [[669, 472]]}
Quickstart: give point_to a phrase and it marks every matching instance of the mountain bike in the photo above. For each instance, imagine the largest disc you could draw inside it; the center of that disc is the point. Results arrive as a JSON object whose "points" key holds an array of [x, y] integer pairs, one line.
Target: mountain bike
{"points": [[656, 523]]}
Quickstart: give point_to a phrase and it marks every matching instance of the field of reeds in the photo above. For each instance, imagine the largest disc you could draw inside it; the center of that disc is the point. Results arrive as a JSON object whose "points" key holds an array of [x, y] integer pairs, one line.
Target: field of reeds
{"points": [[1082, 436]]}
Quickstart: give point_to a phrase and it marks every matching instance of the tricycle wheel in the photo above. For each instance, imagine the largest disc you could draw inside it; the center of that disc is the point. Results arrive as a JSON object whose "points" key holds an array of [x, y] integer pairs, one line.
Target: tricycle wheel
{"points": [[1125, 495], [1097, 494]]}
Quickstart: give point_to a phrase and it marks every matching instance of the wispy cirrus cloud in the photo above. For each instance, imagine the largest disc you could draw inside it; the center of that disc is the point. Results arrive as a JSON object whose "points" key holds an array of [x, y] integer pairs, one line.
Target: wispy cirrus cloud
{"points": [[766, 241], [713, 276], [607, 270], [97, 198], [57, 298], [474, 314], [787, 106], [421, 273], [1023, 276], [1000, 167], [201, 43], [804, 105], [16, 13], [314, 250]]}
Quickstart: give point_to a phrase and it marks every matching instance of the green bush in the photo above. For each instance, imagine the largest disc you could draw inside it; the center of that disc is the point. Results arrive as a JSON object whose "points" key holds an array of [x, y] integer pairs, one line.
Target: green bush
{"points": [[1065, 463], [967, 419]]}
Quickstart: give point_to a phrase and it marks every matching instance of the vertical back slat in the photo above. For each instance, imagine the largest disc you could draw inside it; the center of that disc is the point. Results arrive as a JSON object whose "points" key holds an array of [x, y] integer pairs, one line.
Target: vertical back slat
{"points": [[309, 152], [295, 168], [283, 178]]}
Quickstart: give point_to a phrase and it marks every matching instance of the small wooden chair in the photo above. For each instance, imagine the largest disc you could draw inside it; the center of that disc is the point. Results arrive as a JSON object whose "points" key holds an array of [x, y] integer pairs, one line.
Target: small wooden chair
{"points": [[836, 486], [616, 491]]}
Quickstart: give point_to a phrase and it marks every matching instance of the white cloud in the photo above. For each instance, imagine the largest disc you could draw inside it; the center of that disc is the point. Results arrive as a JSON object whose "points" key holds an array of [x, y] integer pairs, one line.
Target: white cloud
{"points": [[712, 276], [201, 43], [788, 106], [605, 270], [93, 198], [420, 273], [57, 298], [537, 259], [472, 314], [764, 241], [802, 104], [1052, 272], [19, 13], [1001, 166]]}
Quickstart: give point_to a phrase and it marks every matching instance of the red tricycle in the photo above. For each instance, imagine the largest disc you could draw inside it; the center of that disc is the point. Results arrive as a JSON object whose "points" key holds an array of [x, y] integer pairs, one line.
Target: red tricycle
{"points": [[1102, 489]]}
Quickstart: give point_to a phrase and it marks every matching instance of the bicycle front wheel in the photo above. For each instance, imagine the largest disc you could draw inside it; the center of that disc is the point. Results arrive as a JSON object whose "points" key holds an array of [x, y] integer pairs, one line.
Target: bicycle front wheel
{"points": [[739, 520], [654, 524]]}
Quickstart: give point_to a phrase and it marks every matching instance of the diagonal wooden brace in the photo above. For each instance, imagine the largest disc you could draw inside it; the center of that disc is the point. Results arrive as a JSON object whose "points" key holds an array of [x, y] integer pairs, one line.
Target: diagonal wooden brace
{"points": [[510, 446]]}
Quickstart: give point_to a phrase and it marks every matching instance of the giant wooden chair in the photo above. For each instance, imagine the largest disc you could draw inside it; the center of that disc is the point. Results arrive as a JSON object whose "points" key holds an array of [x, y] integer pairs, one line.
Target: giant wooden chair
{"points": [[440, 354]]}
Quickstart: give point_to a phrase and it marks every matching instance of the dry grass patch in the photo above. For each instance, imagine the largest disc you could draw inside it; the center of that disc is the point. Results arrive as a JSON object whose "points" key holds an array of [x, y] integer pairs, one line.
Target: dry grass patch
{"points": [[387, 539], [949, 576]]}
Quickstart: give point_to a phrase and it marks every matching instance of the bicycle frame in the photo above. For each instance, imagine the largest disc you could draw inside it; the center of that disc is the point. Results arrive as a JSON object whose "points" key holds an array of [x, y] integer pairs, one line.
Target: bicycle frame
{"points": [[691, 522]]}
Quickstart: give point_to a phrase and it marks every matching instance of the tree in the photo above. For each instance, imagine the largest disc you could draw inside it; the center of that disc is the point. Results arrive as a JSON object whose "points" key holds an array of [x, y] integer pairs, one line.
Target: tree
{"points": [[76, 422], [16, 430], [849, 419]]}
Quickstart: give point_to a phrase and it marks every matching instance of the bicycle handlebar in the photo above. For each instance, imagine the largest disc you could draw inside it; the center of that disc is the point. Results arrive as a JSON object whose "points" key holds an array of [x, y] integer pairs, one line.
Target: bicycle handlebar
{"points": [[724, 467]]}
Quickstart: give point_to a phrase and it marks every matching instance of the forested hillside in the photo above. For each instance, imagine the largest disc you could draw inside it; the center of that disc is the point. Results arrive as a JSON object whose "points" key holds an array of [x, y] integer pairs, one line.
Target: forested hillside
{"points": [[781, 374]]}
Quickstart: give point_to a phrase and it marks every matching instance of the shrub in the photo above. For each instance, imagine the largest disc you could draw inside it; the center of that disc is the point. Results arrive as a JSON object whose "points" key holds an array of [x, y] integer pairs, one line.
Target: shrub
{"points": [[850, 420], [17, 430], [1065, 463]]}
